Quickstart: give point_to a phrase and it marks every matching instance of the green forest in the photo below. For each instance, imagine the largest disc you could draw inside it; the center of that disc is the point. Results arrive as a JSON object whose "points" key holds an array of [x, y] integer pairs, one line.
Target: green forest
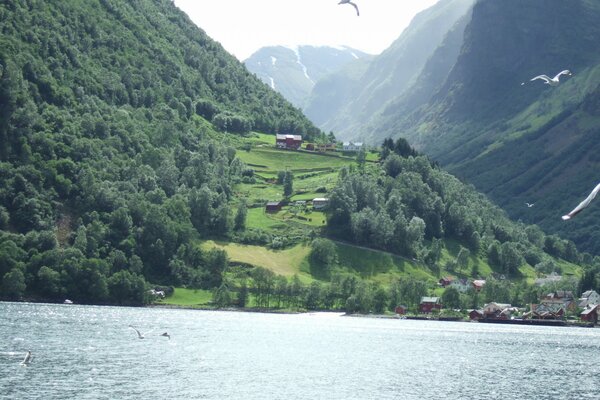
{"points": [[123, 130]]}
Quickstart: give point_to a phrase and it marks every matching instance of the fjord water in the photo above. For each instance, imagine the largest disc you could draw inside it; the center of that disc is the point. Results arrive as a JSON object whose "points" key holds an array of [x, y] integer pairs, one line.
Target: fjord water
{"points": [[87, 352]]}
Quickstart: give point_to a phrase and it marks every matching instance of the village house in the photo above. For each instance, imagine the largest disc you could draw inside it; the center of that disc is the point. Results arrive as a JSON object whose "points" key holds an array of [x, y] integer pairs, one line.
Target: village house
{"points": [[288, 141], [478, 284], [350, 146], [273, 206], [428, 304], [590, 314], [545, 311], [476, 315], [444, 282], [462, 285], [589, 297], [400, 310], [320, 203], [562, 298], [497, 311]]}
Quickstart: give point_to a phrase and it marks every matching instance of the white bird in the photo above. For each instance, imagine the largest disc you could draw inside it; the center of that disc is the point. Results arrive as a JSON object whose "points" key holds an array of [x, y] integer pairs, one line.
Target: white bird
{"points": [[530, 205], [27, 360], [140, 334], [166, 335], [552, 81], [583, 204], [351, 3]]}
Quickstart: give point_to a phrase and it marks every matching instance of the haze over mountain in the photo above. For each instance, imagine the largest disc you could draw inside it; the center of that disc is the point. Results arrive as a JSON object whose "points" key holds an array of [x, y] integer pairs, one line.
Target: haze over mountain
{"points": [[361, 91], [293, 71]]}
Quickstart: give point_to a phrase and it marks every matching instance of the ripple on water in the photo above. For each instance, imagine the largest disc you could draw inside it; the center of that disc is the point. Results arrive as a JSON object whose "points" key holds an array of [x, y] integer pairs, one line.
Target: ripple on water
{"points": [[86, 352]]}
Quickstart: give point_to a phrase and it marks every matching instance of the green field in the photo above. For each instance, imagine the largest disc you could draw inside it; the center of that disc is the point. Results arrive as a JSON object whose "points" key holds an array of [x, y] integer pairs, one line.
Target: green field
{"points": [[288, 262], [188, 298]]}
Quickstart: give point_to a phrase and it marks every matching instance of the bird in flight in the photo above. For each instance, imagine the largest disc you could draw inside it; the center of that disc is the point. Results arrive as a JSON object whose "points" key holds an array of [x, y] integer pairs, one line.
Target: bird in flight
{"points": [[140, 334], [551, 81], [351, 3], [166, 335], [530, 205], [27, 360], [583, 204]]}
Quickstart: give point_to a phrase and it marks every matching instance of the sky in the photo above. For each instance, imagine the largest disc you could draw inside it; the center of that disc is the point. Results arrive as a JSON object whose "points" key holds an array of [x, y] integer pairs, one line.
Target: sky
{"points": [[244, 26]]}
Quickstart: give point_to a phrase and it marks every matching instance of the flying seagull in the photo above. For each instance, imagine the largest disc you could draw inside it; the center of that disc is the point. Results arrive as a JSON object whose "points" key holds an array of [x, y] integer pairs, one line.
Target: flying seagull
{"points": [[166, 335], [552, 81], [27, 360], [140, 334], [351, 3], [583, 204], [530, 205]]}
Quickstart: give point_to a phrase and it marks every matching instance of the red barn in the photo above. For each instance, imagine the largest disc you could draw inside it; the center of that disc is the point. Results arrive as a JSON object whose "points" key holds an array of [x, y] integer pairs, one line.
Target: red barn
{"points": [[273, 206], [429, 304], [590, 314], [288, 141], [400, 310]]}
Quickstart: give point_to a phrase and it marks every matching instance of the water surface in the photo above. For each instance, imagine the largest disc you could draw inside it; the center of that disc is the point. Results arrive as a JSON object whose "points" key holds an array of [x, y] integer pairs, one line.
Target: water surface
{"points": [[87, 352]]}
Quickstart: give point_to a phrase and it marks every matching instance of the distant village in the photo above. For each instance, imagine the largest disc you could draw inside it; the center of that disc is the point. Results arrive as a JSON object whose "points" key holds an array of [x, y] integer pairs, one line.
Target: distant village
{"points": [[552, 309]]}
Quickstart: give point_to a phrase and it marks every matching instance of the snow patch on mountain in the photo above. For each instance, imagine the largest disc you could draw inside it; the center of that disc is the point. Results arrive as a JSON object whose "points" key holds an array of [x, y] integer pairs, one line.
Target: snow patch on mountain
{"points": [[295, 49], [273, 60], [272, 82]]}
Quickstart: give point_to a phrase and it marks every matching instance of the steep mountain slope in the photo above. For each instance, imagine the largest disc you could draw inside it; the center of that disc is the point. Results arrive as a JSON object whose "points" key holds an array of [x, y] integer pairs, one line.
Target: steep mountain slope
{"points": [[108, 173], [293, 71], [392, 72], [517, 142]]}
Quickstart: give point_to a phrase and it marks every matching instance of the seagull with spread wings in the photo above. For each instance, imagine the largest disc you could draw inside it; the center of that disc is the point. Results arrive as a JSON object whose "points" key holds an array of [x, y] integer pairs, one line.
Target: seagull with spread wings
{"points": [[583, 204], [552, 81], [351, 3], [140, 334]]}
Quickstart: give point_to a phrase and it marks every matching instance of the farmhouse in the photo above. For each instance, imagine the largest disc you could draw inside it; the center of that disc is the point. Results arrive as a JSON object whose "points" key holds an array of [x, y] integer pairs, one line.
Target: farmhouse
{"points": [[349, 146], [273, 206], [288, 141], [320, 203], [429, 304]]}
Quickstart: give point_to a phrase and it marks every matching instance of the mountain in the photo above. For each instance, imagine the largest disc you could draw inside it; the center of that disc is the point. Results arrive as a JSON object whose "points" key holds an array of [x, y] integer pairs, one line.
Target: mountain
{"points": [[293, 71], [114, 155], [387, 76], [515, 142]]}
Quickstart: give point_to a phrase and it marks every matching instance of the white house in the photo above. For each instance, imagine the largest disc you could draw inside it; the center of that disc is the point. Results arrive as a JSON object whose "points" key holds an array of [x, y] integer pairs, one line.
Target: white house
{"points": [[350, 146], [319, 203], [462, 285]]}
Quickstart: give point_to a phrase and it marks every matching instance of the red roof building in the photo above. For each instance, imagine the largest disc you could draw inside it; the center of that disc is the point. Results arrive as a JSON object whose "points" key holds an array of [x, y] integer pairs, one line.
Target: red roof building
{"points": [[288, 141]]}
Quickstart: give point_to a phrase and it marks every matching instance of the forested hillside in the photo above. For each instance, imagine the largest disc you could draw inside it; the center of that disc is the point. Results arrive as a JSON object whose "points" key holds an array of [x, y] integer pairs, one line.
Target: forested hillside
{"points": [[516, 142], [110, 161]]}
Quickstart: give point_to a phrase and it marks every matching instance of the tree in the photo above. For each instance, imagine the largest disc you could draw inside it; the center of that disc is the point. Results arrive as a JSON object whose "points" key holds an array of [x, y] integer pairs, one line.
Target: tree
{"points": [[239, 222], [323, 253], [288, 184], [13, 284], [451, 298]]}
